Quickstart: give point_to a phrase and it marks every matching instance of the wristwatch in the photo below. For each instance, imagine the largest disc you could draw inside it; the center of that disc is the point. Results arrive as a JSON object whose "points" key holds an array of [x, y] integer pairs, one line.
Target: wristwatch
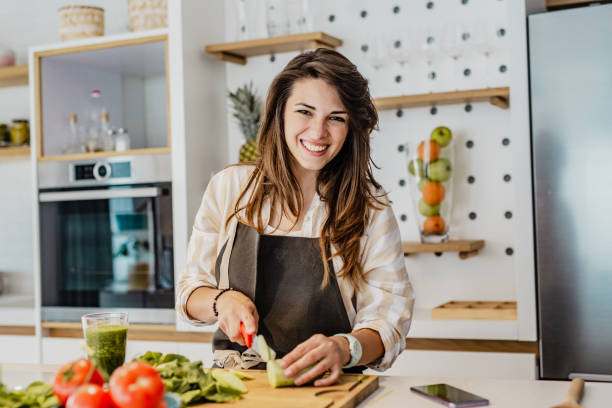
{"points": [[354, 348]]}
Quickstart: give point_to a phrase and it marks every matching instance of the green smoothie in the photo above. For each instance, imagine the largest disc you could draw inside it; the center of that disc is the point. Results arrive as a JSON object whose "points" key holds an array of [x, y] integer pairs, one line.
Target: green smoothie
{"points": [[106, 347]]}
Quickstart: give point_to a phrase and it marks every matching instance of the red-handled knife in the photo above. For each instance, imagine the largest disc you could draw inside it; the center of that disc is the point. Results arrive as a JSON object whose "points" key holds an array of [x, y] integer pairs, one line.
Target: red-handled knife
{"points": [[248, 338]]}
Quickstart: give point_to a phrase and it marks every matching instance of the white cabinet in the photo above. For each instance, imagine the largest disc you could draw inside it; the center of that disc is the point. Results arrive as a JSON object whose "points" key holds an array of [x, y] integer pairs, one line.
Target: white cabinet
{"points": [[18, 349], [461, 364], [61, 350]]}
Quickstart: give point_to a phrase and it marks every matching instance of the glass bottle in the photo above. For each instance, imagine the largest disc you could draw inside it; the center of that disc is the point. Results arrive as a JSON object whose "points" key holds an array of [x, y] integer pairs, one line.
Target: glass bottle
{"points": [[94, 122], [122, 141], [75, 144], [106, 134]]}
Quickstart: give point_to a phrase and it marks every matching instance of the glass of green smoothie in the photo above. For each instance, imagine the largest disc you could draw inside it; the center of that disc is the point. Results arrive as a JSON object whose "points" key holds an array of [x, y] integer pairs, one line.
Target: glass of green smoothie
{"points": [[105, 335]]}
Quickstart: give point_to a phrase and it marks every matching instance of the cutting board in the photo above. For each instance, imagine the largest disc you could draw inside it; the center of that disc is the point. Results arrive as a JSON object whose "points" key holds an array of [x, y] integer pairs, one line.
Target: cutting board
{"points": [[349, 391], [475, 310]]}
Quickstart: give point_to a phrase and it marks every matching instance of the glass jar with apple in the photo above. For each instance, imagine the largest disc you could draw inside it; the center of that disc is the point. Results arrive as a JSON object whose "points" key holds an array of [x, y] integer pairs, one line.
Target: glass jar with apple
{"points": [[431, 180]]}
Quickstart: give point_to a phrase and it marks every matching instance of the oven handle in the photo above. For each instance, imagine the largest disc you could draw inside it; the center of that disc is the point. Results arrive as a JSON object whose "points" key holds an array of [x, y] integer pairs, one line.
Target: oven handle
{"points": [[83, 195]]}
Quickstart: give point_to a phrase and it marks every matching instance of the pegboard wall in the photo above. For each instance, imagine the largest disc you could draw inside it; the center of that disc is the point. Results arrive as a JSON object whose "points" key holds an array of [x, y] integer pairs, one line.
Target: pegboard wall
{"points": [[484, 196]]}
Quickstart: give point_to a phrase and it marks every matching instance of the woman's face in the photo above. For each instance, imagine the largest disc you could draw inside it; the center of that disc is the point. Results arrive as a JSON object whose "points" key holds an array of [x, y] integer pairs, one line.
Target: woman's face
{"points": [[316, 125]]}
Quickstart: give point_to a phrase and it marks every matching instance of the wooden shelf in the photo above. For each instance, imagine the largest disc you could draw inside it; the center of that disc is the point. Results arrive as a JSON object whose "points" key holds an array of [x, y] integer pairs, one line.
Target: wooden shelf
{"points": [[14, 151], [151, 332], [466, 248], [475, 310], [13, 76], [100, 155], [237, 52], [496, 96], [558, 4]]}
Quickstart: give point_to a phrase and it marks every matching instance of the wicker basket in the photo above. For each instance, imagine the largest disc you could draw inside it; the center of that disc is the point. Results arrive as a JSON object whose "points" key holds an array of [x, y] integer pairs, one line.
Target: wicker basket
{"points": [[80, 22], [147, 14]]}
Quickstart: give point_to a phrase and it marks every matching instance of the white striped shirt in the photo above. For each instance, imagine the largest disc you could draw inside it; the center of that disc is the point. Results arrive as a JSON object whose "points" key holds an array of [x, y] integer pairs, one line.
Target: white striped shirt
{"points": [[384, 303]]}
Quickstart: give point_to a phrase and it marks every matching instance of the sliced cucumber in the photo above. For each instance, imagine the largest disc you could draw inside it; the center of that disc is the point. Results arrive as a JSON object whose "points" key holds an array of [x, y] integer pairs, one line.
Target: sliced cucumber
{"points": [[241, 374], [261, 346], [228, 381]]}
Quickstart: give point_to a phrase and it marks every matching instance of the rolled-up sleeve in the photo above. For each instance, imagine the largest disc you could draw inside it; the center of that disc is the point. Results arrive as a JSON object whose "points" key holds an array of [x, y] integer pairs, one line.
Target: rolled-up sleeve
{"points": [[385, 302], [202, 249]]}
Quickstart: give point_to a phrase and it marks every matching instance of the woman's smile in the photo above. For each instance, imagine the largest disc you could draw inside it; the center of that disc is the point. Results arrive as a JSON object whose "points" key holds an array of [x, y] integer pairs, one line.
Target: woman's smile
{"points": [[314, 148]]}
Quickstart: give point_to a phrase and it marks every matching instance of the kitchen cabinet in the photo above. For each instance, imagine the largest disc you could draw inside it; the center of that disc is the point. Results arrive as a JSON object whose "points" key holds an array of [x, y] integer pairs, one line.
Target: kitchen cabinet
{"points": [[131, 73], [18, 349]]}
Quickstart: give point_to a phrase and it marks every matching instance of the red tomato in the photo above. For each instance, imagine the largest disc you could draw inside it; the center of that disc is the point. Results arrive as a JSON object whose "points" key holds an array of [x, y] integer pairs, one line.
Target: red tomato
{"points": [[72, 375], [89, 396], [136, 385]]}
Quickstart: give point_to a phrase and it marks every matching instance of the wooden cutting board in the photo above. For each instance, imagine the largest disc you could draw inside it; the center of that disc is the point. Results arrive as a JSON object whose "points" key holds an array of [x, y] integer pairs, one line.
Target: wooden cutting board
{"points": [[349, 391]]}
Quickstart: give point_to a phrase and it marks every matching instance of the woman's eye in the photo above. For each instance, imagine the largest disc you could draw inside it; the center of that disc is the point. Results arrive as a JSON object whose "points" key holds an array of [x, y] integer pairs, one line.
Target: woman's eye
{"points": [[337, 118], [304, 112]]}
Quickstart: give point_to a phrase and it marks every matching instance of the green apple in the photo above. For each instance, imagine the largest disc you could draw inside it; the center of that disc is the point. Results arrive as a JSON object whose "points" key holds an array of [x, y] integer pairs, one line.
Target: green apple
{"points": [[442, 135], [427, 210], [439, 170], [414, 165], [422, 183]]}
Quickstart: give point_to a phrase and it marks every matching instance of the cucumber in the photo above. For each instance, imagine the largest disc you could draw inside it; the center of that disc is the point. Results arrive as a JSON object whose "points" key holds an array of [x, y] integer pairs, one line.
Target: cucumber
{"points": [[228, 381], [261, 346], [276, 375], [241, 374]]}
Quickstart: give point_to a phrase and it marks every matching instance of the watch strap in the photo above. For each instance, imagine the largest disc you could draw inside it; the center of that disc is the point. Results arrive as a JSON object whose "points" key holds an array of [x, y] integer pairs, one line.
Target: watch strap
{"points": [[354, 349]]}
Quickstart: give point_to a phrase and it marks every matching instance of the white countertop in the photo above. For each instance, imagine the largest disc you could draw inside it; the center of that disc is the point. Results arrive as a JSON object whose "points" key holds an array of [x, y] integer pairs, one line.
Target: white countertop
{"points": [[394, 392]]}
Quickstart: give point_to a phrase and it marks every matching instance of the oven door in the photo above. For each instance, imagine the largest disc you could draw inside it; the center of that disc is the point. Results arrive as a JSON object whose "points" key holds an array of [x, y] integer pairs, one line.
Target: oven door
{"points": [[108, 248]]}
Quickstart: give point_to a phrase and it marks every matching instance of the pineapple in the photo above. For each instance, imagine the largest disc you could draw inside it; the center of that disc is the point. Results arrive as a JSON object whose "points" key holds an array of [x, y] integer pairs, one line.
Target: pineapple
{"points": [[247, 108]]}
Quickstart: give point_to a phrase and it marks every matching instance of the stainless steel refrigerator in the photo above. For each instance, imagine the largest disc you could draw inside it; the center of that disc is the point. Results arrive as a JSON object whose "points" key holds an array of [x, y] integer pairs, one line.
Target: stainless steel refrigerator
{"points": [[570, 56]]}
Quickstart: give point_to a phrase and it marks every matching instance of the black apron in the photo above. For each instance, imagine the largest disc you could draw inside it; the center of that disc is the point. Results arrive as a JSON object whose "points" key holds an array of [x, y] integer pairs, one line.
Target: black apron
{"points": [[282, 275]]}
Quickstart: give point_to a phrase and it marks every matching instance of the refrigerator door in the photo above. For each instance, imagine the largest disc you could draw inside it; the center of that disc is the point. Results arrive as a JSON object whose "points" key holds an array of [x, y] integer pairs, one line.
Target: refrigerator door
{"points": [[571, 109]]}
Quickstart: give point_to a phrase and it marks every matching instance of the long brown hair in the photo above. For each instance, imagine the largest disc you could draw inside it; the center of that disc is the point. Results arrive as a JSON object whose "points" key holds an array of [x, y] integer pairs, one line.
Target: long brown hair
{"points": [[346, 184]]}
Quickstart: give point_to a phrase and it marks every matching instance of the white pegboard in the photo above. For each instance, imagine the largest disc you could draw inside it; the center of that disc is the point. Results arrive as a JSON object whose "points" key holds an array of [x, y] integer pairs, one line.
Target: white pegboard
{"points": [[437, 279]]}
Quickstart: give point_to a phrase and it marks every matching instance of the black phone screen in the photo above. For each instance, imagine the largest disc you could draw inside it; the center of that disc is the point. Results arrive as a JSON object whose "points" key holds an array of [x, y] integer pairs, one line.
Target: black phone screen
{"points": [[453, 396]]}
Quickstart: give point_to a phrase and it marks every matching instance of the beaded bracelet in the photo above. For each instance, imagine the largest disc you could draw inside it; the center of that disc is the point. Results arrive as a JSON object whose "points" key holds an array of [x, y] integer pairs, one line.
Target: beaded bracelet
{"points": [[216, 298]]}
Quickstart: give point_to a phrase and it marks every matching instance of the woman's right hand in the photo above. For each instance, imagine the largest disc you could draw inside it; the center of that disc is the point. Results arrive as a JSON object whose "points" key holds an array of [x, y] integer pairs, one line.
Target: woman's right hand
{"points": [[235, 307]]}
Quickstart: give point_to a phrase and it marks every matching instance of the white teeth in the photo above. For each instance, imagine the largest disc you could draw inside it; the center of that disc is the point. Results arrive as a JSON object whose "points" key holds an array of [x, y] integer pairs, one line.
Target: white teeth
{"points": [[313, 148]]}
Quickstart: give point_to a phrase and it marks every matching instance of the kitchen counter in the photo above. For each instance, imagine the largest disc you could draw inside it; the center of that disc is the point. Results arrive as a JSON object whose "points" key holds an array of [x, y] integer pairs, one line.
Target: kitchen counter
{"points": [[395, 391]]}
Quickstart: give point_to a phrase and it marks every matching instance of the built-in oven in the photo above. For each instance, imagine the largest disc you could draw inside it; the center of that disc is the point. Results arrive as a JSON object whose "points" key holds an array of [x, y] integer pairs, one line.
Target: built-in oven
{"points": [[106, 238]]}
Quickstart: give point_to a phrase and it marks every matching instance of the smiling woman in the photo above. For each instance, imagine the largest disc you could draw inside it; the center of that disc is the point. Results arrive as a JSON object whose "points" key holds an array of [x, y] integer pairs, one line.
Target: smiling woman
{"points": [[302, 246]]}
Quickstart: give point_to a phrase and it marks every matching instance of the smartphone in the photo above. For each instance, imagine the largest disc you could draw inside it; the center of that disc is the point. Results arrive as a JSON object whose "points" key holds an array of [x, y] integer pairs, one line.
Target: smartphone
{"points": [[450, 396]]}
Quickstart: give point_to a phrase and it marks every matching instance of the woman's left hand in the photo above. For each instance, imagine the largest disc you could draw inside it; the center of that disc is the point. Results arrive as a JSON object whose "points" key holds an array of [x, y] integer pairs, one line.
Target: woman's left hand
{"points": [[326, 353]]}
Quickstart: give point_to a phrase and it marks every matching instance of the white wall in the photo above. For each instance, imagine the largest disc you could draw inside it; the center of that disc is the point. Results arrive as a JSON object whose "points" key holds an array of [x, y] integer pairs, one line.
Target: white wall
{"points": [[23, 24], [493, 274]]}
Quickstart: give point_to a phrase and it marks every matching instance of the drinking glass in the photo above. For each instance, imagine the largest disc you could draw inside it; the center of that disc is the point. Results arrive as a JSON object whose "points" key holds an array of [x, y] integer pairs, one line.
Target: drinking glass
{"points": [[431, 181], [277, 20], [105, 336]]}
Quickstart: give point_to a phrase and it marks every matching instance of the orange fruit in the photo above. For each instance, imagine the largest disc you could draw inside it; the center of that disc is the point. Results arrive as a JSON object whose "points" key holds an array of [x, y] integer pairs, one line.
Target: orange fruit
{"points": [[429, 150], [433, 193], [434, 224]]}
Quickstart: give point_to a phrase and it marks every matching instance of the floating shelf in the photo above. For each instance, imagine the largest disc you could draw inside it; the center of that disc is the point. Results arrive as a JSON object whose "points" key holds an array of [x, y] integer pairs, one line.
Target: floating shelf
{"points": [[100, 155], [466, 248], [14, 151], [237, 52], [475, 310], [13, 76], [499, 97], [557, 4]]}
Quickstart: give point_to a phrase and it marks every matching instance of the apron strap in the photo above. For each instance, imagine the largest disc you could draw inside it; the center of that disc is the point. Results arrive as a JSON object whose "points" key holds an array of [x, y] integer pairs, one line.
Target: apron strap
{"points": [[224, 269]]}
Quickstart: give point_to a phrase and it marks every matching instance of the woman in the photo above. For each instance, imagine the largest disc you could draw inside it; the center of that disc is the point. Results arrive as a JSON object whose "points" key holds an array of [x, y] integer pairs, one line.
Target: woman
{"points": [[305, 237]]}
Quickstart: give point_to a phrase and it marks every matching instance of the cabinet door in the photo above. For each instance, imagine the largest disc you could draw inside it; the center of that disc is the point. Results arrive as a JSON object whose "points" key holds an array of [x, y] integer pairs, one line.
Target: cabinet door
{"points": [[18, 349], [460, 364]]}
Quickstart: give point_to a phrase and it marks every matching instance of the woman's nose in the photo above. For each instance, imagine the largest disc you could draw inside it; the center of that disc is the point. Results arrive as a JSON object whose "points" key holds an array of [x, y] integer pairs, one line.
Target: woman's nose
{"points": [[318, 128]]}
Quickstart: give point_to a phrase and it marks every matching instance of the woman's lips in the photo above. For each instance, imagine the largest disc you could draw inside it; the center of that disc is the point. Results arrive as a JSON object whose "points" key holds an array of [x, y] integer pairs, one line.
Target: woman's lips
{"points": [[315, 149]]}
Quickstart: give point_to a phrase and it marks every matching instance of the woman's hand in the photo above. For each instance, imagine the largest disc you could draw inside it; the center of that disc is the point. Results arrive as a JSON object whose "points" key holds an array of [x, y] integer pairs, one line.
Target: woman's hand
{"points": [[327, 353], [235, 307]]}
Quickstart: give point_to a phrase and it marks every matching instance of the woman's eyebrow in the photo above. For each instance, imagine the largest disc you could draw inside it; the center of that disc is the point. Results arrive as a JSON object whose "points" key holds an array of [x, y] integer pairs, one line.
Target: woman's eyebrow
{"points": [[313, 108]]}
